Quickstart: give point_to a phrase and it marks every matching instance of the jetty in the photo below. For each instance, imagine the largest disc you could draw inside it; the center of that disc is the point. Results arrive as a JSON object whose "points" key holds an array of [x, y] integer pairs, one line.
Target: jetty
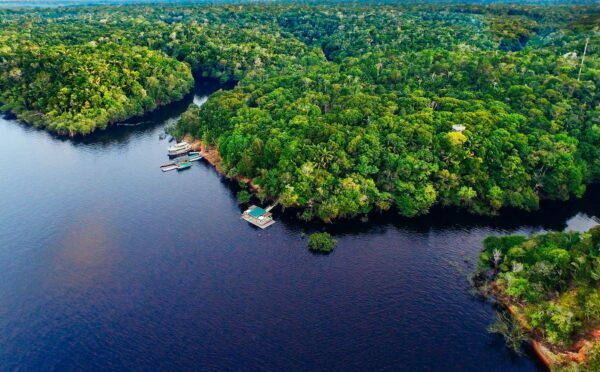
{"points": [[258, 216], [181, 162]]}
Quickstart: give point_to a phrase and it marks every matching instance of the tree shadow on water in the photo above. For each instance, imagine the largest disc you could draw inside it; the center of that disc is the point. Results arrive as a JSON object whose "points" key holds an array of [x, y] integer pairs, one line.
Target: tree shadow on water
{"points": [[552, 215]]}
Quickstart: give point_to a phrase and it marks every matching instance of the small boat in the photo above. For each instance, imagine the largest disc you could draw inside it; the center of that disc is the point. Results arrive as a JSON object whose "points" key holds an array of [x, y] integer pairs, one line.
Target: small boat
{"points": [[181, 162], [181, 159], [179, 149], [193, 156], [184, 165], [162, 136], [168, 167]]}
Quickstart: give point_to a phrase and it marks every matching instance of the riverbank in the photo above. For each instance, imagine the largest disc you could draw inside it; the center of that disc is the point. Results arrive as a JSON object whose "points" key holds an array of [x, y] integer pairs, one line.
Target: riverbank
{"points": [[212, 156], [550, 355], [548, 284], [91, 92]]}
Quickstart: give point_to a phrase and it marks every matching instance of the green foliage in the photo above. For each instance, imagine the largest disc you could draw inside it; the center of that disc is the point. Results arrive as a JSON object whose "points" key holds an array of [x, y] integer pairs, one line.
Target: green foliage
{"points": [[551, 277], [243, 197], [362, 117], [321, 242], [76, 89], [511, 330], [339, 109], [595, 234]]}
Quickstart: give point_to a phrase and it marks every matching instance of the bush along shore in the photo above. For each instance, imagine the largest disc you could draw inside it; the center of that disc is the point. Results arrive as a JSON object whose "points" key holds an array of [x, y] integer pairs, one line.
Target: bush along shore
{"points": [[549, 287]]}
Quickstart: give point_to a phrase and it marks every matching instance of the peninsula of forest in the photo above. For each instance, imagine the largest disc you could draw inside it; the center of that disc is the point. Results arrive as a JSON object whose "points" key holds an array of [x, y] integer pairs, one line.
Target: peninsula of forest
{"points": [[550, 286], [338, 110]]}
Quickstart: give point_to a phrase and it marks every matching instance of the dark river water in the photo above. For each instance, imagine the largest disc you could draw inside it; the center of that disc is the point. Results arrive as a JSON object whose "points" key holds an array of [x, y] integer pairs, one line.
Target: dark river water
{"points": [[106, 263]]}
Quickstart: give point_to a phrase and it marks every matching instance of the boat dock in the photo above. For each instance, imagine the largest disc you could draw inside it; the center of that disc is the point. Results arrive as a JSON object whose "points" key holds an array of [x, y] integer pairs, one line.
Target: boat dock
{"points": [[182, 162], [258, 216]]}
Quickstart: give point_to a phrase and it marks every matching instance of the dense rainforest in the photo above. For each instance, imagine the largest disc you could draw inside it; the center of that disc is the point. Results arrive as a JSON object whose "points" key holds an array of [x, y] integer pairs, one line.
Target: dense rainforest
{"points": [[339, 109], [551, 285]]}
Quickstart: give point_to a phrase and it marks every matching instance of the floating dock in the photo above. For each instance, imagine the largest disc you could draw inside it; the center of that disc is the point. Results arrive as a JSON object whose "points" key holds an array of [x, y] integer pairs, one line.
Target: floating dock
{"points": [[178, 163], [258, 217]]}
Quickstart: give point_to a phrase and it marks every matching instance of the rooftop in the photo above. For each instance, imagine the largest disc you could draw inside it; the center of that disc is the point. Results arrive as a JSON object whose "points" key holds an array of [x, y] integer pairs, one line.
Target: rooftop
{"points": [[458, 128], [257, 212]]}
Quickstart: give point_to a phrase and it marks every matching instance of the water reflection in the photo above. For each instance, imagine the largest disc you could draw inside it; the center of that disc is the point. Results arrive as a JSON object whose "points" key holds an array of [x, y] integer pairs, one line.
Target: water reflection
{"points": [[578, 214], [120, 133]]}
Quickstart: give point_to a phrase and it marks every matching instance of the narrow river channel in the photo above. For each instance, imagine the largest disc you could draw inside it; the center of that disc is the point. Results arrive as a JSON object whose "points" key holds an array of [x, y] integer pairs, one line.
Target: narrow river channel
{"points": [[107, 262]]}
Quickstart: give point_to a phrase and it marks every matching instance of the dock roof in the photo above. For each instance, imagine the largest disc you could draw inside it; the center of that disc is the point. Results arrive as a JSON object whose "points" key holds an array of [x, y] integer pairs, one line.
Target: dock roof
{"points": [[257, 212]]}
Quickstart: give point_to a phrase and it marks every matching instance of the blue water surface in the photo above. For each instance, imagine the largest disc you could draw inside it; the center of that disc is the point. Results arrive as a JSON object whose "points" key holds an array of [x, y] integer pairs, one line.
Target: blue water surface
{"points": [[106, 263]]}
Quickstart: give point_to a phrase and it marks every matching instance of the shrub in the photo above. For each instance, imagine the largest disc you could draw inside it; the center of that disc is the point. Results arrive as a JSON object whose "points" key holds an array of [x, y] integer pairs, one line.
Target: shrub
{"points": [[243, 197], [321, 242]]}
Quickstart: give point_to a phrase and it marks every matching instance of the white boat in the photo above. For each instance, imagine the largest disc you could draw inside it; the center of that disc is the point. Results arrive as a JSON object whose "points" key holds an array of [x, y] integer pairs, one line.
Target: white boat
{"points": [[168, 167], [179, 149]]}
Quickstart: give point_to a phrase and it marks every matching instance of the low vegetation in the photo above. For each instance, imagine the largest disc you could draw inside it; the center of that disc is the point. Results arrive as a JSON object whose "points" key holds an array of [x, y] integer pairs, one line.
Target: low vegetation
{"points": [[321, 242], [243, 197], [509, 328]]}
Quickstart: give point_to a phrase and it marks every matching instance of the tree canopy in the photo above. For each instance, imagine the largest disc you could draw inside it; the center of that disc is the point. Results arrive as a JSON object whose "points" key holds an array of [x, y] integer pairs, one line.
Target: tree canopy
{"points": [[363, 119], [551, 282], [339, 110]]}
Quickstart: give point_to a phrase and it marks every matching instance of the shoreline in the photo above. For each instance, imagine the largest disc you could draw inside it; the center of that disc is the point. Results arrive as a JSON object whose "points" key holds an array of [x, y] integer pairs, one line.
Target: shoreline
{"points": [[25, 115], [212, 156], [550, 358]]}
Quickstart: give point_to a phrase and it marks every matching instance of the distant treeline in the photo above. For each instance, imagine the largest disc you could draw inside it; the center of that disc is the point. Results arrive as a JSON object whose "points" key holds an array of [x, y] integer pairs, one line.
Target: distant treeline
{"points": [[66, 3]]}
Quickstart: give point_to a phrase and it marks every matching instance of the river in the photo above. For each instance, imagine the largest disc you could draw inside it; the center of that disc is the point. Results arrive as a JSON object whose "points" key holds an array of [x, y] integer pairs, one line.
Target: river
{"points": [[108, 263]]}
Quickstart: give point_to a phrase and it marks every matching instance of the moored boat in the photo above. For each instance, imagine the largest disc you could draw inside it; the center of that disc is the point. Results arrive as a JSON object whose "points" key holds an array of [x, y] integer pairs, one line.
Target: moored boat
{"points": [[179, 149], [184, 165], [180, 159], [193, 156], [181, 162], [168, 167]]}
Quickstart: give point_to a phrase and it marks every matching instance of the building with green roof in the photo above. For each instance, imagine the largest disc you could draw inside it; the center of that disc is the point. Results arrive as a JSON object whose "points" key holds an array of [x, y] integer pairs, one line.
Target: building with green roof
{"points": [[258, 217]]}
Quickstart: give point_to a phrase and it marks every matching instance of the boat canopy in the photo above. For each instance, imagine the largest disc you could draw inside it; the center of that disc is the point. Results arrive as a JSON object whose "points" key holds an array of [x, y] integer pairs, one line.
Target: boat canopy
{"points": [[180, 145]]}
